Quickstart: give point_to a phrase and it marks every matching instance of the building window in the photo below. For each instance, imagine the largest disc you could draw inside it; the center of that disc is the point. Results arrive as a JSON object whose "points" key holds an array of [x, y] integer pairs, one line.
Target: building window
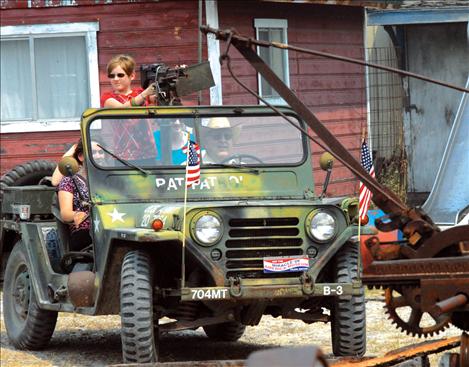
{"points": [[273, 30], [49, 76]]}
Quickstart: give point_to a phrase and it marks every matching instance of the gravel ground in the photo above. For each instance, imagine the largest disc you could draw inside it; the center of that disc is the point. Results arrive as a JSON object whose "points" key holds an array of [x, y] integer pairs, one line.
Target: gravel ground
{"points": [[95, 341]]}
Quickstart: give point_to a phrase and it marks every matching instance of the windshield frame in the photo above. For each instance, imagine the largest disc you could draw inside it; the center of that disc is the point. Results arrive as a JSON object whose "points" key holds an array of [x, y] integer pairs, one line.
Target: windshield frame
{"points": [[196, 114]]}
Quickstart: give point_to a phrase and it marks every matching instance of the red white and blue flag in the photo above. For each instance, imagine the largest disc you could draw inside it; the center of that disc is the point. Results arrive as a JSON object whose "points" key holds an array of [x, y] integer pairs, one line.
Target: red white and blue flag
{"points": [[192, 150], [365, 193]]}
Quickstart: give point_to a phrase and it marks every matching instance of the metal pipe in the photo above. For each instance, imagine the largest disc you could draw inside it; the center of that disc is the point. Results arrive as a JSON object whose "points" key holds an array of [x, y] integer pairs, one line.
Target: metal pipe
{"points": [[224, 35], [451, 303]]}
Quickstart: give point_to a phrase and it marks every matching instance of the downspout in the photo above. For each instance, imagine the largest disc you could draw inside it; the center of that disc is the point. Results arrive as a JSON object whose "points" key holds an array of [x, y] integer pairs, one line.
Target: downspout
{"points": [[367, 79], [199, 50], [213, 49]]}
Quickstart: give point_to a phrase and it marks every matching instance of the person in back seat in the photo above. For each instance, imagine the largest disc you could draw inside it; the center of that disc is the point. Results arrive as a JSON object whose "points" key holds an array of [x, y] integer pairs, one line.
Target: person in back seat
{"points": [[73, 203]]}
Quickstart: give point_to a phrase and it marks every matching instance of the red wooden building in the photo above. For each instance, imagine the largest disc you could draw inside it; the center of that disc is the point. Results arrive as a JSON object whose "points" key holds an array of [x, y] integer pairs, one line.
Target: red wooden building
{"points": [[54, 54]]}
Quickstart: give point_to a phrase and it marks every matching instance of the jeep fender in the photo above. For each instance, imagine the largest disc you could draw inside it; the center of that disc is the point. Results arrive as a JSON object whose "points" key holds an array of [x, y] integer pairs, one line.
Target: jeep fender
{"points": [[350, 234]]}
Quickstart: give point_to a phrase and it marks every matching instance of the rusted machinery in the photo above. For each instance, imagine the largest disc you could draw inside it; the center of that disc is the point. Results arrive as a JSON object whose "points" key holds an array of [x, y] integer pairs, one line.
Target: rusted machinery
{"points": [[428, 272]]}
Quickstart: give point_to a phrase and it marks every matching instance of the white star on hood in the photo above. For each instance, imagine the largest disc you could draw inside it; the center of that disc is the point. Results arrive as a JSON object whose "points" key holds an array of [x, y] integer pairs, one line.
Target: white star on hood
{"points": [[116, 216]]}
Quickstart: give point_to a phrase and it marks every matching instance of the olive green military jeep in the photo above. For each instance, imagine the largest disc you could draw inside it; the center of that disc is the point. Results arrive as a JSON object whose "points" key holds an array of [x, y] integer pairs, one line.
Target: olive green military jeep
{"points": [[248, 238]]}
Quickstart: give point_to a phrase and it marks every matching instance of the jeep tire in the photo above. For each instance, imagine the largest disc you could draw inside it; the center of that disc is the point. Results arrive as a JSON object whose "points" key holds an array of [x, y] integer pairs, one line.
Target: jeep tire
{"points": [[29, 173], [227, 331], [27, 325], [348, 315], [139, 334]]}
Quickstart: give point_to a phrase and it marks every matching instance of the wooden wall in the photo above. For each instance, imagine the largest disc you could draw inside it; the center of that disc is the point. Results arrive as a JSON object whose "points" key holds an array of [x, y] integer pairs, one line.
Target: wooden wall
{"points": [[167, 32], [150, 31], [335, 91]]}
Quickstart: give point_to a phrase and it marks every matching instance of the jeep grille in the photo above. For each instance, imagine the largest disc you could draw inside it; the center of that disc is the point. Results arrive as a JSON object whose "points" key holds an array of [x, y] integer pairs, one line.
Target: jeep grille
{"points": [[252, 239]]}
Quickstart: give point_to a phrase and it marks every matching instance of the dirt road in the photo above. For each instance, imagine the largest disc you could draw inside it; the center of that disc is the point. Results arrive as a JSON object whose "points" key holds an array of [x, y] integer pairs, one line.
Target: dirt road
{"points": [[95, 341]]}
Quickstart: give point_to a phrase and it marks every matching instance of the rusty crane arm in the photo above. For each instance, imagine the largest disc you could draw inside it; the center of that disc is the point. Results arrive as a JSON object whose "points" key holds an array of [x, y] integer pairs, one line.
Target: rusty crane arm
{"points": [[415, 224]]}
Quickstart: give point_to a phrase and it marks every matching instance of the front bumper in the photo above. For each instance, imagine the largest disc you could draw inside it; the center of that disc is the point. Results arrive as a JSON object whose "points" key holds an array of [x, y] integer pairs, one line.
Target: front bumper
{"points": [[246, 292]]}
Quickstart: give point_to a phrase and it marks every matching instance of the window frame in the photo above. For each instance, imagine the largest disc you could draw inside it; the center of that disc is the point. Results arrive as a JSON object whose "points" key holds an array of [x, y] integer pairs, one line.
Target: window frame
{"points": [[30, 32], [273, 23]]}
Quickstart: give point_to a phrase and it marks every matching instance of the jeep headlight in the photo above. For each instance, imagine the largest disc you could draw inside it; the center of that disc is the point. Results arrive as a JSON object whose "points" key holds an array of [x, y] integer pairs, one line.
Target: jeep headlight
{"points": [[322, 226], [207, 229]]}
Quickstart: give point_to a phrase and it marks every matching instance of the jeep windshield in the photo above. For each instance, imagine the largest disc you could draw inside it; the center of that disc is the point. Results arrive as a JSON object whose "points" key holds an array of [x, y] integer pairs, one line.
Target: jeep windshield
{"points": [[220, 141]]}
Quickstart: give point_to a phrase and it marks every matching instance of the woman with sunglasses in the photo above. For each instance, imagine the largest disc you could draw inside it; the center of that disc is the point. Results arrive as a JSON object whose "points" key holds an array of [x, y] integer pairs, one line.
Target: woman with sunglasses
{"points": [[121, 72]]}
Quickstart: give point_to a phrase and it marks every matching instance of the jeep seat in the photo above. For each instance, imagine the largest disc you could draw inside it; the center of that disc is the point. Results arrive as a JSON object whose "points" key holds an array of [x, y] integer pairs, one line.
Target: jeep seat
{"points": [[68, 259], [63, 229]]}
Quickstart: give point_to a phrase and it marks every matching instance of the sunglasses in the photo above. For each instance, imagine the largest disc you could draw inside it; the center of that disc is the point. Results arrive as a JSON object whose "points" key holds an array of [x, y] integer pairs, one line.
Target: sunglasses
{"points": [[227, 135], [119, 75], [98, 153]]}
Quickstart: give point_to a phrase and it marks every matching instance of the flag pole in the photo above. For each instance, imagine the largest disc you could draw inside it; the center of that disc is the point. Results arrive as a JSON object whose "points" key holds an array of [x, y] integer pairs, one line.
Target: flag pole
{"points": [[363, 137], [183, 255], [359, 241]]}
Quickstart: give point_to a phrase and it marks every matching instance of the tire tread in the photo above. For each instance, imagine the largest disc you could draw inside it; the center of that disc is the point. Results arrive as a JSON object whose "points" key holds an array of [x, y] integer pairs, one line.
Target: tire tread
{"points": [[36, 332], [138, 339], [349, 315]]}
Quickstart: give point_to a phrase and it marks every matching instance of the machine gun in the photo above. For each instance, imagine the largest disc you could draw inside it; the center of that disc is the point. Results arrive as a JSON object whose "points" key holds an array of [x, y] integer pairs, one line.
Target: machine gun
{"points": [[429, 271], [172, 83]]}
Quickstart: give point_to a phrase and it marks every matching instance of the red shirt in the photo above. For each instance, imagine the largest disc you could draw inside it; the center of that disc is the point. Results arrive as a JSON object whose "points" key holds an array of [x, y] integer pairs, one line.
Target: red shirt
{"points": [[122, 98], [134, 140]]}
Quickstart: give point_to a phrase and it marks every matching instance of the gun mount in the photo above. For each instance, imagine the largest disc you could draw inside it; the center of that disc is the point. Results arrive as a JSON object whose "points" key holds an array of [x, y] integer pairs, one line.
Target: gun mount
{"points": [[172, 83], [429, 271]]}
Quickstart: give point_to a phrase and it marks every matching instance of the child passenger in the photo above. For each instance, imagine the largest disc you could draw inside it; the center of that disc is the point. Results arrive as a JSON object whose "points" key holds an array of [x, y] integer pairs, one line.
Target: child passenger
{"points": [[121, 72]]}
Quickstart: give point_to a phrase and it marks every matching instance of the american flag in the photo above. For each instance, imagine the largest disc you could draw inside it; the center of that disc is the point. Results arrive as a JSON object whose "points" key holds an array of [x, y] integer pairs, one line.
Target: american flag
{"points": [[365, 193], [193, 162]]}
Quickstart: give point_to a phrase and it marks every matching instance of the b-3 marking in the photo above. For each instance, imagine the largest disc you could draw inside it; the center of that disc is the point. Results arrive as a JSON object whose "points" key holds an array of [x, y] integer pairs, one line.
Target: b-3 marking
{"points": [[335, 290]]}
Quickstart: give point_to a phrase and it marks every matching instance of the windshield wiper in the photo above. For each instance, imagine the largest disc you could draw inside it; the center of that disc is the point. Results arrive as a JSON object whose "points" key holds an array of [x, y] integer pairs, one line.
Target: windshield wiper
{"points": [[123, 161], [232, 165]]}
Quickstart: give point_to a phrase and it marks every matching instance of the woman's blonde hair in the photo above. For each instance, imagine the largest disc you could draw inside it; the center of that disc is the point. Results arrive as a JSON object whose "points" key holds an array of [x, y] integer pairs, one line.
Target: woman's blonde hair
{"points": [[126, 62]]}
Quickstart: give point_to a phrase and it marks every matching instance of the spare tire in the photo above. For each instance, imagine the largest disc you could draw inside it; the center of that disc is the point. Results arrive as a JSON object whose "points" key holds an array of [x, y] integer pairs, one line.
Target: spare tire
{"points": [[29, 173]]}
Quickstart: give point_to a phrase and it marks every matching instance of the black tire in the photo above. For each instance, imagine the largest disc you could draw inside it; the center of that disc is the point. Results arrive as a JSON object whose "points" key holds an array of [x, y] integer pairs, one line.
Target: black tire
{"points": [[29, 173], [227, 331], [28, 326], [139, 334], [348, 316]]}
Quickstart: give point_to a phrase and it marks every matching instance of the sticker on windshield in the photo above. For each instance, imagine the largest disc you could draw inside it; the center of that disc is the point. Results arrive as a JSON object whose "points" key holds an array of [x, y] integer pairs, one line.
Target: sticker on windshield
{"points": [[286, 264]]}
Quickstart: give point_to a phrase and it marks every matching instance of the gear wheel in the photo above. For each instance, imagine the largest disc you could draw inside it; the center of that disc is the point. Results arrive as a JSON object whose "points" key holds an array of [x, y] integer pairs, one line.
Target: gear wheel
{"points": [[417, 322]]}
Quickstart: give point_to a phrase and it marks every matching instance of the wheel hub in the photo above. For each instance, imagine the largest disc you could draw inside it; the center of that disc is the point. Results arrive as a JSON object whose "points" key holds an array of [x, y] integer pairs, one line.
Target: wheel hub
{"points": [[21, 294]]}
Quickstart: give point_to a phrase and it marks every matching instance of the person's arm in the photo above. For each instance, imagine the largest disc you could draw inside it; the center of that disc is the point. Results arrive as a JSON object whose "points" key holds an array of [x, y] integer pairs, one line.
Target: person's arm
{"points": [[66, 209], [57, 176], [139, 100]]}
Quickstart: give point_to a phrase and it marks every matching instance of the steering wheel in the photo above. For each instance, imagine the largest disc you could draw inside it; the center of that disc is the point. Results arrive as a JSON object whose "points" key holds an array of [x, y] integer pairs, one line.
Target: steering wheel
{"points": [[239, 158]]}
